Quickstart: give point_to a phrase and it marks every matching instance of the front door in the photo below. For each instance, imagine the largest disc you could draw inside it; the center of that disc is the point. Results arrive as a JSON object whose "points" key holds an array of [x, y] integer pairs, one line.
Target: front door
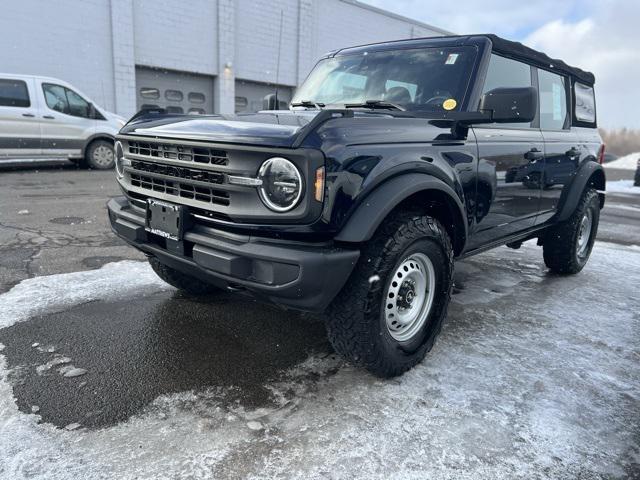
{"points": [[507, 193], [19, 122], [510, 157], [67, 121]]}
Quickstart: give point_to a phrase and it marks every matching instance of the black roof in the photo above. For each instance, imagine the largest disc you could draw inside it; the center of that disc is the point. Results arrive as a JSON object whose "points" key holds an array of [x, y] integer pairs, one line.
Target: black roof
{"points": [[520, 51], [505, 47]]}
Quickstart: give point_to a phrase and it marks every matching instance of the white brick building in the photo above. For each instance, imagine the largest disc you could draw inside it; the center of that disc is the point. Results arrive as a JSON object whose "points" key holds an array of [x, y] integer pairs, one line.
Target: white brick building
{"points": [[207, 55]]}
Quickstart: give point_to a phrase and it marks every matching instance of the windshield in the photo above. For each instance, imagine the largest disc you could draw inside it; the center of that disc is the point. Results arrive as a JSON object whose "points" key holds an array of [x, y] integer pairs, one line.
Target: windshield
{"points": [[417, 79]]}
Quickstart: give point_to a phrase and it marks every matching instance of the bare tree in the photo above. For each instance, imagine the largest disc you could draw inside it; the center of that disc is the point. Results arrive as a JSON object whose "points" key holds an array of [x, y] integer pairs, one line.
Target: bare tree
{"points": [[621, 142]]}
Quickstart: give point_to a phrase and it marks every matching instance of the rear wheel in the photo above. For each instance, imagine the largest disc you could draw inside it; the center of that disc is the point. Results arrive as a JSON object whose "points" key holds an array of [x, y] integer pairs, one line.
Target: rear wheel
{"points": [[567, 246], [390, 312], [100, 155], [181, 281]]}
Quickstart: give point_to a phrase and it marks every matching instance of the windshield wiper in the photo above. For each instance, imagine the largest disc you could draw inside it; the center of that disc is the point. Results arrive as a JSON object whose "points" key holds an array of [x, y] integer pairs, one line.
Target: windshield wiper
{"points": [[375, 104], [308, 103]]}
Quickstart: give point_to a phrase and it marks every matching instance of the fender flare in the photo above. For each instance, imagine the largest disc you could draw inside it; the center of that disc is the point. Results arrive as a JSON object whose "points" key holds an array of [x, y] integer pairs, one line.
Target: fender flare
{"points": [[375, 207], [96, 136], [572, 195]]}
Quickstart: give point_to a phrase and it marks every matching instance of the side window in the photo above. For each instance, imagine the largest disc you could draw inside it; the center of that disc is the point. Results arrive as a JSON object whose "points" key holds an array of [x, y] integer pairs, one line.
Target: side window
{"points": [[14, 93], [64, 100], [553, 100], [78, 106], [55, 97], [504, 72], [585, 103]]}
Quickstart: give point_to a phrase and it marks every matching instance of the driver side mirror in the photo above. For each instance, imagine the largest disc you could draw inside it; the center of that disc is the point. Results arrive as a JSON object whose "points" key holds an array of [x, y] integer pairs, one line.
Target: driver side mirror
{"points": [[510, 105]]}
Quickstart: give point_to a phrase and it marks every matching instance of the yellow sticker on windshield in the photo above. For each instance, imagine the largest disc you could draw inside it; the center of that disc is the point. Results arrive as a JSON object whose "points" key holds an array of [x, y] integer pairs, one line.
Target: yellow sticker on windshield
{"points": [[449, 104]]}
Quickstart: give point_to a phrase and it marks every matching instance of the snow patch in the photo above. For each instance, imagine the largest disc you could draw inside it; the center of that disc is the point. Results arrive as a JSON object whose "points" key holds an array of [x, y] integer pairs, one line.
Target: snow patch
{"points": [[41, 294], [628, 162], [622, 186]]}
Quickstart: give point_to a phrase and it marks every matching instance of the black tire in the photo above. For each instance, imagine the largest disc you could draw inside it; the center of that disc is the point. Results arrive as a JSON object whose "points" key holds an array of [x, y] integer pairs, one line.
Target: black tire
{"points": [[356, 323], [97, 155], [181, 281], [561, 247]]}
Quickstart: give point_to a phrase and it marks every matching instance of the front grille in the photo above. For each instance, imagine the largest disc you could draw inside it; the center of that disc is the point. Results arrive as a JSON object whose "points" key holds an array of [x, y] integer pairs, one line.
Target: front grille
{"points": [[180, 189], [211, 156], [178, 172]]}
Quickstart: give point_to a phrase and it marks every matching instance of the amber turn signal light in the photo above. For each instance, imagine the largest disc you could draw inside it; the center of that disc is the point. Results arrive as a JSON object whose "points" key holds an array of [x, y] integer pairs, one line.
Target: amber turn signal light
{"points": [[319, 184]]}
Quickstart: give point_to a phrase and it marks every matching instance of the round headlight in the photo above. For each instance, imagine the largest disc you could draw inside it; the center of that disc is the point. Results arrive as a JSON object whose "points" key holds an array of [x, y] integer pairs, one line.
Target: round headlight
{"points": [[119, 159], [281, 187]]}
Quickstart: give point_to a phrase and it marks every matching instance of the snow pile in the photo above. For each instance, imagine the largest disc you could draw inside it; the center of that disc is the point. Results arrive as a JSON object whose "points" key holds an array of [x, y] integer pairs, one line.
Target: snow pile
{"points": [[628, 162], [622, 186]]}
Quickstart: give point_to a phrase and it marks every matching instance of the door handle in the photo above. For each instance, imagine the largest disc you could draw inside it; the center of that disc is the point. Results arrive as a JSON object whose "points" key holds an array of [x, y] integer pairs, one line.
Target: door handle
{"points": [[49, 117], [30, 115], [533, 155], [572, 153]]}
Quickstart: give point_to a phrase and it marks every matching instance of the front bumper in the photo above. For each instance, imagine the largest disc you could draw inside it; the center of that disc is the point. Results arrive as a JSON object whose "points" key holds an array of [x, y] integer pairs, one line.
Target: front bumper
{"points": [[295, 275]]}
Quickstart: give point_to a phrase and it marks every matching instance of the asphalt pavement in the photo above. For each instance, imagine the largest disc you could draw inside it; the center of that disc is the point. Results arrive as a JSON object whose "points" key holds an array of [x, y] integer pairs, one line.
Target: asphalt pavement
{"points": [[147, 342]]}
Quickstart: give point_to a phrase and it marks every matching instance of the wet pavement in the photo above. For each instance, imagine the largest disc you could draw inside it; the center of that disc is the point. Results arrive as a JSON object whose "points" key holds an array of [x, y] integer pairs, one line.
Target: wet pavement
{"points": [[139, 349], [534, 375]]}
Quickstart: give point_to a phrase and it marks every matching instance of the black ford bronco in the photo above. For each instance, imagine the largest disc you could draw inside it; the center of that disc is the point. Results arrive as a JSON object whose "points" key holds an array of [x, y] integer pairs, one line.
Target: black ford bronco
{"points": [[393, 160]]}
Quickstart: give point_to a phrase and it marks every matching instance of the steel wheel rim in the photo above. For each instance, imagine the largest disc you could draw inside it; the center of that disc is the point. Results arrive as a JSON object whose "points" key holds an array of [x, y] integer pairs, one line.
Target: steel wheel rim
{"points": [[102, 156], [584, 233], [409, 297]]}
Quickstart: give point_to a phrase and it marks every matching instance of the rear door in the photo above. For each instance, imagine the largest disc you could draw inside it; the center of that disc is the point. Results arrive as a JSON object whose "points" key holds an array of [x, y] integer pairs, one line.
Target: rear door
{"points": [[67, 120], [509, 157], [19, 123], [561, 144]]}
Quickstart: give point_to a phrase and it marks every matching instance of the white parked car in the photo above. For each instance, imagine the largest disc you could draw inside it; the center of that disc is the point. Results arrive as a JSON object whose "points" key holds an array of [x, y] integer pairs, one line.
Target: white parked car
{"points": [[45, 118]]}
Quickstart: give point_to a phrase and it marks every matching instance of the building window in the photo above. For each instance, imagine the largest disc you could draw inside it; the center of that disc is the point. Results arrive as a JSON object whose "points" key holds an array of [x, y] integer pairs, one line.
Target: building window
{"points": [[196, 97], [173, 95], [196, 111], [149, 106], [14, 93], [152, 93], [553, 100], [174, 109]]}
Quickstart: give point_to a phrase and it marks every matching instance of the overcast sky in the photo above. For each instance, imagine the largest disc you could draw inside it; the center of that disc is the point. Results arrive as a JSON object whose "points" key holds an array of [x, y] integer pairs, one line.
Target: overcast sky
{"points": [[602, 36]]}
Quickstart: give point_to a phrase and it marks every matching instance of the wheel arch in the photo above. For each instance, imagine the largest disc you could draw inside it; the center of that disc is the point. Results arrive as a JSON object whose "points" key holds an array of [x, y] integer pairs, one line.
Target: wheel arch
{"points": [[590, 174], [95, 137], [408, 192]]}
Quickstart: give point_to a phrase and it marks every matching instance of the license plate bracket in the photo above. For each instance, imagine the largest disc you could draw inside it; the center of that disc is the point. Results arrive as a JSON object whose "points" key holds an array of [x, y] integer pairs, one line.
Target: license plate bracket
{"points": [[165, 219]]}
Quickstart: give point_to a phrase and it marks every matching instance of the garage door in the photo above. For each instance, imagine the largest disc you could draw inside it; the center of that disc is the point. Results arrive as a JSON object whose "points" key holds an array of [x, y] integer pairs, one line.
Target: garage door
{"points": [[178, 92], [249, 95]]}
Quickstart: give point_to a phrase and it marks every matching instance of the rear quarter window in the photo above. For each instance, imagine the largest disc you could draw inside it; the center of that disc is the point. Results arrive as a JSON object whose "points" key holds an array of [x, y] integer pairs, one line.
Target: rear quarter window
{"points": [[14, 93], [585, 101]]}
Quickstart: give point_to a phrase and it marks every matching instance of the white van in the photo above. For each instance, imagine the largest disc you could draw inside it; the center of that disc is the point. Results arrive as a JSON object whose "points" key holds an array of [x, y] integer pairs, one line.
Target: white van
{"points": [[45, 118]]}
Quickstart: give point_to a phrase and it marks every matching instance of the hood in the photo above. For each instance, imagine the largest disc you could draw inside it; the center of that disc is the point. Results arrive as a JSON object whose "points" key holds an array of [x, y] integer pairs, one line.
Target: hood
{"points": [[285, 128], [274, 128], [114, 118]]}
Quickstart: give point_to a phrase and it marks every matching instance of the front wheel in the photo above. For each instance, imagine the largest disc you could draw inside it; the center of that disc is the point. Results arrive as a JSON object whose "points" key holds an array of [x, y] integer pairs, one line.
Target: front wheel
{"points": [[390, 312], [100, 155], [567, 246]]}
